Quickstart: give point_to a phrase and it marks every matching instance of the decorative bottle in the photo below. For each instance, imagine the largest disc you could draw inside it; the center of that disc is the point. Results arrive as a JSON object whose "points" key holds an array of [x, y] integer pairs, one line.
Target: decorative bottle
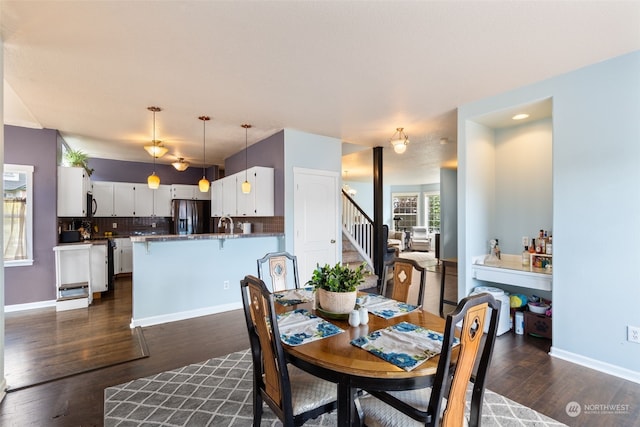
{"points": [[525, 256]]}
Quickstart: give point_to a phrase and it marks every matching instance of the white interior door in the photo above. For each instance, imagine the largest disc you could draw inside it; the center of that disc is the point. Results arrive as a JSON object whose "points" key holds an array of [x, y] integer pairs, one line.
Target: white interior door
{"points": [[316, 220]]}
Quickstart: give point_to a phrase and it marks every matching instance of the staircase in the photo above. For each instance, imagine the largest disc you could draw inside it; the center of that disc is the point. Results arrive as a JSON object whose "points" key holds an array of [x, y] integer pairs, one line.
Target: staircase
{"points": [[351, 257]]}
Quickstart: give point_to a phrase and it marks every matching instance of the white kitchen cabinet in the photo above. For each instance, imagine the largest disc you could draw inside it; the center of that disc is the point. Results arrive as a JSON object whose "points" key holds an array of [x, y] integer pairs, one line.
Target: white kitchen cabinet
{"points": [[229, 196], [259, 201], [162, 201], [103, 196], [123, 199], [143, 200], [123, 256], [216, 197], [73, 185], [188, 192], [99, 265]]}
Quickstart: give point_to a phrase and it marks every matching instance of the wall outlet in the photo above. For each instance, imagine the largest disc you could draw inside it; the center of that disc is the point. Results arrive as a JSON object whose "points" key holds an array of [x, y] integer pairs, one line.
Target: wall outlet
{"points": [[226, 284], [114, 225], [153, 225], [633, 334]]}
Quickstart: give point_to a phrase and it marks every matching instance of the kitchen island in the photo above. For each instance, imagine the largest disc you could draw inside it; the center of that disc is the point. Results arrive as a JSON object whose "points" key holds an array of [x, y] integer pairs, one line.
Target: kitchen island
{"points": [[178, 277]]}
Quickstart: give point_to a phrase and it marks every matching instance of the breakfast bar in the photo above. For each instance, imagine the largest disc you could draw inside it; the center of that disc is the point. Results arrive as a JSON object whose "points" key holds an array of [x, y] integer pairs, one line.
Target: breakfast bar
{"points": [[178, 277]]}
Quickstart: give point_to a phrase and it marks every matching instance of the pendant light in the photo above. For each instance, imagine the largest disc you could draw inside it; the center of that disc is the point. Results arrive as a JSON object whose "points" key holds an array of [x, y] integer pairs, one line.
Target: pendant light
{"points": [[400, 142], [203, 184], [246, 185], [180, 164], [155, 150], [153, 181]]}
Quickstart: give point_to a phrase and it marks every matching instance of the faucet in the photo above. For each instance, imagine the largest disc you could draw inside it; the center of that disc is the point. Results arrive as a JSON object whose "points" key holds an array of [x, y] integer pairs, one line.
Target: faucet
{"points": [[228, 218]]}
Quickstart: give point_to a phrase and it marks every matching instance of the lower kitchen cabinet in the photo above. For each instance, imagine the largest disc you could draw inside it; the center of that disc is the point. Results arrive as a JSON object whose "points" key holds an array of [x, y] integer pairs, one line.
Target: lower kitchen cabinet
{"points": [[99, 268], [123, 256]]}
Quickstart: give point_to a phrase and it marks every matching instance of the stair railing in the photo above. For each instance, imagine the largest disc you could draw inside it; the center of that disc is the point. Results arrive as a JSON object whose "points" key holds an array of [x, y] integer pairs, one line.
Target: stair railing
{"points": [[358, 227]]}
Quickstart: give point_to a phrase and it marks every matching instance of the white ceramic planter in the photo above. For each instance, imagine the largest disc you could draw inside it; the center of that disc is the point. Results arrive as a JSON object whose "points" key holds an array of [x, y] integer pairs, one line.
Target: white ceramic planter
{"points": [[337, 302]]}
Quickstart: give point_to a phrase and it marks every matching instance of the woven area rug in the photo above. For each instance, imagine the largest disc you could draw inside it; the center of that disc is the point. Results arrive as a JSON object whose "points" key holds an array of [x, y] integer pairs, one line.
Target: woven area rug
{"points": [[218, 393]]}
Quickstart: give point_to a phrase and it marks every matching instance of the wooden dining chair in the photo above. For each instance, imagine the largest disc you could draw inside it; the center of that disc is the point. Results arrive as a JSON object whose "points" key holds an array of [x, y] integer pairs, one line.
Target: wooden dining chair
{"points": [[294, 395], [282, 269], [400, 274], [443, 404]]}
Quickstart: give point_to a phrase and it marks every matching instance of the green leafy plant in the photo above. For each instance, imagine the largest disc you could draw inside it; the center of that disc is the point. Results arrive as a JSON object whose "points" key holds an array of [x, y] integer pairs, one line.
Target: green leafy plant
{"points": [[339, 278], [77, 158]]}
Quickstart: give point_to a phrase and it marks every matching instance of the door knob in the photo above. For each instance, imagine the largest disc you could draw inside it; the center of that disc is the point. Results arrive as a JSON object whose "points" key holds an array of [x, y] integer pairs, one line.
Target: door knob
{"points": [[333, 240]]}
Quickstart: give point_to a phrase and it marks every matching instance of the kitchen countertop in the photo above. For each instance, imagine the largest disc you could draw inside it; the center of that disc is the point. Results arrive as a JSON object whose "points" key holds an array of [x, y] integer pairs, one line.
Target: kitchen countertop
{"points": [[207, 236]]}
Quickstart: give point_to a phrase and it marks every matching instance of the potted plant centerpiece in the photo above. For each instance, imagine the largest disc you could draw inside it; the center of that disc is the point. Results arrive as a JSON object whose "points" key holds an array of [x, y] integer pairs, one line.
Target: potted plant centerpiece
{"points": [[337, 287]]}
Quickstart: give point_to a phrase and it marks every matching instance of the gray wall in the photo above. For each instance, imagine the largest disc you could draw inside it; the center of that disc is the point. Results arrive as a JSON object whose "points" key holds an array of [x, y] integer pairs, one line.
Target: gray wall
{"points": [[122, 171], [35, 147], [448, 213]]}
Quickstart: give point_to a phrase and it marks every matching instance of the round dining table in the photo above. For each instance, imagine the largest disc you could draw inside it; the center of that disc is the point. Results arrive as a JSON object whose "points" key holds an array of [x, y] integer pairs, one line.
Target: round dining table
{"points": [[335, 359]]}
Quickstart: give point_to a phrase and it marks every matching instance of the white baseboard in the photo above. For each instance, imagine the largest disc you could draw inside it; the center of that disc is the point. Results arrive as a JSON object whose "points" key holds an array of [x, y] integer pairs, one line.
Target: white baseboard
{"points": [[29, 306], [607, 368], [183, 315]]}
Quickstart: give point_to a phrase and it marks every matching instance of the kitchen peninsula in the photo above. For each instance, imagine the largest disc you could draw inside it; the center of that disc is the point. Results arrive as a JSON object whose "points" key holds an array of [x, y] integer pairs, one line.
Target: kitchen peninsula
{"points": [[177, 277]]}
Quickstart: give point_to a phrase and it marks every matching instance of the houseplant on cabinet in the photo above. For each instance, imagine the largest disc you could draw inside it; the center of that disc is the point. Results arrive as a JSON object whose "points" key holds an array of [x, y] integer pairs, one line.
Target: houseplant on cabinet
{"points": [[77, 158], [337, 287]]}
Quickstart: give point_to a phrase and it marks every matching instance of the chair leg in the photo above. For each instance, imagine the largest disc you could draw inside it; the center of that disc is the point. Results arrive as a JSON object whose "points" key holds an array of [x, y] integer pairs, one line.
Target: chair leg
{"points": [[257, 408]]}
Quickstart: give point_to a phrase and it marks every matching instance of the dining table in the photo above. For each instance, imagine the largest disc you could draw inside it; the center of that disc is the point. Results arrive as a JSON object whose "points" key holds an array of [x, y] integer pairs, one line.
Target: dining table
{"points": [[352, 368]]}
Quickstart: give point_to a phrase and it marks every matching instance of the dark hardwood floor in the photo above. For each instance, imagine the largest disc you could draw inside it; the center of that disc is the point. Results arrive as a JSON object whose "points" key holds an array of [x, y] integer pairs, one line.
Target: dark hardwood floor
{"points": [[521, 370]]}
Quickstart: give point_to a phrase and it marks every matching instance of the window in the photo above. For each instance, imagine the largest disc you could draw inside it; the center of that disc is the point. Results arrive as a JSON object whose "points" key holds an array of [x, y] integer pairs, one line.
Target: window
{"points": [[432, 212], [18, 215], [405, 210]]}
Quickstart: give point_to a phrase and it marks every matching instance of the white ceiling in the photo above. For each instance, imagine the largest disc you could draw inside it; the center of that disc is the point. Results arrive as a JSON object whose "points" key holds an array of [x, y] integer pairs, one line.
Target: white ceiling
{"points": [[354, 70]]}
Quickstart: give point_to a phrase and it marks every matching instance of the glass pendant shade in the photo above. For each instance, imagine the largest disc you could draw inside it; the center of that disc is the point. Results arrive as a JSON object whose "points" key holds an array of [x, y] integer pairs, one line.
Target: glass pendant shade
{"points": [[400, 142], [180, 164], [156, 150], [153, 181], [246, 187], [203, 185]]}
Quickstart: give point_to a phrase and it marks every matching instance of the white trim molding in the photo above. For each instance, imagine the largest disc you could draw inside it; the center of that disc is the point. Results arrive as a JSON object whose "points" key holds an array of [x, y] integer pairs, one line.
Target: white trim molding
{"points": [[183, 315], [607, 368], [29, 306]]}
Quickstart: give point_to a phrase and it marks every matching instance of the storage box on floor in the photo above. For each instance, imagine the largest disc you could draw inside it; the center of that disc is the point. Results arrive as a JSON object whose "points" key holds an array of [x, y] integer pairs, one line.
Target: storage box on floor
{"points": [[503, 297], [538, 325]]}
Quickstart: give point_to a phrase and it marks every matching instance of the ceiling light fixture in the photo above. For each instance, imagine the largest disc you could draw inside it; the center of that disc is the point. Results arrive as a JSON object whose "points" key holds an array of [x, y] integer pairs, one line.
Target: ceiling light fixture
{"points": [[246, 185], [180, 164], [203, 184], [400, 142], [520, 116], [153, 180], [155, 150]]}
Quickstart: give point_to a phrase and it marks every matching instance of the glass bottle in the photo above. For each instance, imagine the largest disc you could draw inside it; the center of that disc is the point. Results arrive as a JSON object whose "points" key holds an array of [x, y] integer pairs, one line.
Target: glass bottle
{"points": [[525, 256]]}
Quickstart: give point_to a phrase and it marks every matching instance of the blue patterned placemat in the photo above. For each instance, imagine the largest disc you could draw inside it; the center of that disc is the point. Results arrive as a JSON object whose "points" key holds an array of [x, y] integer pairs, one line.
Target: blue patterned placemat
{"points": [[300, 327], [386, 308], [405, 344], [294, 296]]}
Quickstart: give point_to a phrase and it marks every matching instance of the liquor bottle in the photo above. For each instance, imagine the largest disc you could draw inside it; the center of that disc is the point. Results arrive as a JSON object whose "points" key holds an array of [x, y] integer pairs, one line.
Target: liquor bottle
{"points": [[540, 243], [525, 256], [532, 247], [497, 249]]}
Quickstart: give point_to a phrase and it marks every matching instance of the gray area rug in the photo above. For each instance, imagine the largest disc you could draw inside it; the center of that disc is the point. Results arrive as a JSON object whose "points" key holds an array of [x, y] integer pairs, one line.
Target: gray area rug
{"points": [[218, 392]]}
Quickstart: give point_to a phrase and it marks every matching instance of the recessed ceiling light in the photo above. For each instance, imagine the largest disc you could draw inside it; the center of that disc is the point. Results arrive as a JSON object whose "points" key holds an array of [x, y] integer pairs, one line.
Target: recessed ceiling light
{"points": [[520, 116]]}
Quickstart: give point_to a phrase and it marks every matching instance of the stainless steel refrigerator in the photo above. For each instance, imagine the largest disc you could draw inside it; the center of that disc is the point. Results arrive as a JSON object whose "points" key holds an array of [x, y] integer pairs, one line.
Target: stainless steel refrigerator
{"points": [[191, 216]]}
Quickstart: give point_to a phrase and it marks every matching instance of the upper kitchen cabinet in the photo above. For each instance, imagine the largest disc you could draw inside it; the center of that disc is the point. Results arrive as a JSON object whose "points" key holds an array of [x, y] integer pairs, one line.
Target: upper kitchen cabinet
{"points": [[73, 185], [125, 199], [223, 196], [162, 201], [188, 192], [259, 201]]}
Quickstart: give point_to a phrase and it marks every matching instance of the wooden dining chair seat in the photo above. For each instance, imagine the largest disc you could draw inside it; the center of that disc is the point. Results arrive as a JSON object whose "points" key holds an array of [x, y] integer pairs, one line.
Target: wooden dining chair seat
{"points": [[282, 270], [403, 275], [294, 395], [443, 404]]}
